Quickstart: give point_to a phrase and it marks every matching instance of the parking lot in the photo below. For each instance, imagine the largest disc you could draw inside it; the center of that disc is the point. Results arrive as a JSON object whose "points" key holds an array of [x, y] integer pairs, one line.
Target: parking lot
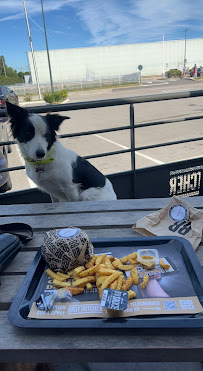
{"points": [[100, 118]]}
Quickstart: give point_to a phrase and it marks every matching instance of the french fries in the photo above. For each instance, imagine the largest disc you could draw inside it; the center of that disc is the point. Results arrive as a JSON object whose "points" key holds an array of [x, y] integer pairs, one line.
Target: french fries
{"points": [[164, 265], [113, 285], [84, 280], [131, 294], [65, 276], [127, 258], [100, 280], [54, 276], [116, 263], [76, 290], [134, 275], [144, 282], [92, 261], [127, 283], [104, 272], [147, 257], [120, 282], [108, 263], [126, 267], [61, 284], [88, 286], [148, 264], [100, 259], [133, 261], [88, 272], [109, 279], [77, 270]]}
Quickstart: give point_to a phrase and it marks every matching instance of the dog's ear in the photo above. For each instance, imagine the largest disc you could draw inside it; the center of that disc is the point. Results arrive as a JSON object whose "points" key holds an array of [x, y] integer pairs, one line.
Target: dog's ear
{"points": [[54, 121], [16, 113]]}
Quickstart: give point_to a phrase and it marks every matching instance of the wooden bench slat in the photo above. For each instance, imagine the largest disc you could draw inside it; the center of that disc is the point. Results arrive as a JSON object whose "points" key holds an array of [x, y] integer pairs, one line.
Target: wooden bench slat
{"points": [[90, 206]]}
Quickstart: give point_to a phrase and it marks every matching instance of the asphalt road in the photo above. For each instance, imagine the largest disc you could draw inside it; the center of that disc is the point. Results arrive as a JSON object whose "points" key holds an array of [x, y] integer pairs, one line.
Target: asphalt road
{"points": [[117, 116]]}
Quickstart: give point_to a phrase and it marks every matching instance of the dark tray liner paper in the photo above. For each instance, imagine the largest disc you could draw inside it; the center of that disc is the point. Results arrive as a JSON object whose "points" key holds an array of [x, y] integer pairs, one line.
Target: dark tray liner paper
{"points": [[185, 280]]}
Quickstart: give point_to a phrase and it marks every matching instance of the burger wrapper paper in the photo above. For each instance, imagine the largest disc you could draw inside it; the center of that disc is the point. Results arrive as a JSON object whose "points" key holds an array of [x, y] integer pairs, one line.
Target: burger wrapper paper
{"points": [[167, 222], [65, 254]]}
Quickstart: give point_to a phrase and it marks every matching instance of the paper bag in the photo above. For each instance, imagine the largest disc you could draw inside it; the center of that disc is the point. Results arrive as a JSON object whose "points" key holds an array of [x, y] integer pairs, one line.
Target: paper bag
{"points": [[176, 219]]}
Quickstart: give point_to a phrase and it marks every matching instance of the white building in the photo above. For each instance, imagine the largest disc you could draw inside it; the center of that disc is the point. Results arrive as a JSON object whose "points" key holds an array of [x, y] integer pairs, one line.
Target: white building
{"points": [[94, 63]]}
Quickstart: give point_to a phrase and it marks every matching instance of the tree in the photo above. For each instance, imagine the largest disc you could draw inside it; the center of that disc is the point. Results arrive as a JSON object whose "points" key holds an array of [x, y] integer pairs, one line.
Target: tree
{"points": [[9, 75], [21, 75], [3, 66], [11, 72]]}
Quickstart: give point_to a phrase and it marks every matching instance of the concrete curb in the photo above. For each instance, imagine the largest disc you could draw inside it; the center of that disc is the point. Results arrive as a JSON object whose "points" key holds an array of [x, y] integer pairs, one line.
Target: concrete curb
{"points": [[40, 102], [32, 102]]}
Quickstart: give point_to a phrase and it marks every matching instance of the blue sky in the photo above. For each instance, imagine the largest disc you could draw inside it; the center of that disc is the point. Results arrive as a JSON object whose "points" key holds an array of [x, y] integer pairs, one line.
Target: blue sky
{"points": [[86, 23]]}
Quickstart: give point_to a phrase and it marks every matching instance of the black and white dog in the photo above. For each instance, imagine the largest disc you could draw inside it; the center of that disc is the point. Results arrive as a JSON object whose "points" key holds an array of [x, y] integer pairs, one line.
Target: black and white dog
{"points": [[56, 170]]}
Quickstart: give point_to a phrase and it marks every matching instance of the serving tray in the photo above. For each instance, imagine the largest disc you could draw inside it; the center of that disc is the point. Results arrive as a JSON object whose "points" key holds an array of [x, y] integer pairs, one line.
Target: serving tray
{"points": [[185, 280]]}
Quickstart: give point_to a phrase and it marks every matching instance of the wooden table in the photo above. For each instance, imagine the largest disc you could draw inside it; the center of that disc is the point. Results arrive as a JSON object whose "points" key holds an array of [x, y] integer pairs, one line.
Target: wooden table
{"points": [[99, 219]]}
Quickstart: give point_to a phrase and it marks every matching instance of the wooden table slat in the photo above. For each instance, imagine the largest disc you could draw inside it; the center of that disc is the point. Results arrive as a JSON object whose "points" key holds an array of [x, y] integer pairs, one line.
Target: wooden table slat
{"points": [[8, 290], [20, 263], [96, 220], [96, 346], [90, 206]]}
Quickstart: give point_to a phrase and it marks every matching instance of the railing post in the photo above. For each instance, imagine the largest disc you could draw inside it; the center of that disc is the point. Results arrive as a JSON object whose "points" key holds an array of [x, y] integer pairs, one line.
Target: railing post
{"points": [[132, 145]]}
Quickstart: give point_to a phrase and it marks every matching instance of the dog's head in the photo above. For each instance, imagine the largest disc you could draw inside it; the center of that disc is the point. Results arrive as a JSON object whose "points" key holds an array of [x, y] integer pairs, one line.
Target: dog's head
{"points": [[35, 134]]}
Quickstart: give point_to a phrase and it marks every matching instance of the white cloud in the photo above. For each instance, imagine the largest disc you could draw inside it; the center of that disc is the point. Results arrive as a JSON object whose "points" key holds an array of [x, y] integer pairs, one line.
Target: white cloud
{"points": [[57, 32], [119, 21], [15, 8], [129, 21]]}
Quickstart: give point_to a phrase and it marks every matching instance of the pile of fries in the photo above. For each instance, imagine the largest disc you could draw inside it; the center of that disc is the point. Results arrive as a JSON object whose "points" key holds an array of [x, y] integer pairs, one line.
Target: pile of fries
{"points": [[104, 271]]}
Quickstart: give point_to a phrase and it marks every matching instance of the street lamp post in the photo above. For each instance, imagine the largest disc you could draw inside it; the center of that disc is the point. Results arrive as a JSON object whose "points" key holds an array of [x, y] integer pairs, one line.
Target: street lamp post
{"points": [[163, 69], [45, 33], [185, 60], [32, 51]]}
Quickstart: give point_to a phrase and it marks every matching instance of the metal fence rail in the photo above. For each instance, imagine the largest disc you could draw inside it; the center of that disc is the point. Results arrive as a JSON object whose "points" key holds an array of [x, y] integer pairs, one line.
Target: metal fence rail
{"points": [[111, 102], [131, 127], [91, 82]]}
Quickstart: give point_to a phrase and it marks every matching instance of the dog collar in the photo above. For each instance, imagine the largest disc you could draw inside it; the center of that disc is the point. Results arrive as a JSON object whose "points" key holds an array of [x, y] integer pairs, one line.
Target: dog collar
{"points": [[39, 162], [46, 160]]}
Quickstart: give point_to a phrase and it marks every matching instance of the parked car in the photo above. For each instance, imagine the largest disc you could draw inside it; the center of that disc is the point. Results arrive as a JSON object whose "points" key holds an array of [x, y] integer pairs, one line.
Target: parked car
{"points": [[7, 94], [5, 180]]}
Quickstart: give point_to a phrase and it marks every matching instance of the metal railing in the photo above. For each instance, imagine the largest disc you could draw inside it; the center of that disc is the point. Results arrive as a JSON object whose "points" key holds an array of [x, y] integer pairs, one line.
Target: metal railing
{"points": [[131, 127], [91, 82]]}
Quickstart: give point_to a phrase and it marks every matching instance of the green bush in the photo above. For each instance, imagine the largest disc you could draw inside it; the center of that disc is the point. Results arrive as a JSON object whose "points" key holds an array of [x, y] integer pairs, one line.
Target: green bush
{"points": [[27, 97], [48, 97], [174, 73], [7, 80], [64, 93], [55, 97]]}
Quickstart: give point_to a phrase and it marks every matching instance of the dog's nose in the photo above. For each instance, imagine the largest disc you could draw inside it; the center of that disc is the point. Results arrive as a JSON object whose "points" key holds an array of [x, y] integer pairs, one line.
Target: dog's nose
{"points": [[40, 153]]}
